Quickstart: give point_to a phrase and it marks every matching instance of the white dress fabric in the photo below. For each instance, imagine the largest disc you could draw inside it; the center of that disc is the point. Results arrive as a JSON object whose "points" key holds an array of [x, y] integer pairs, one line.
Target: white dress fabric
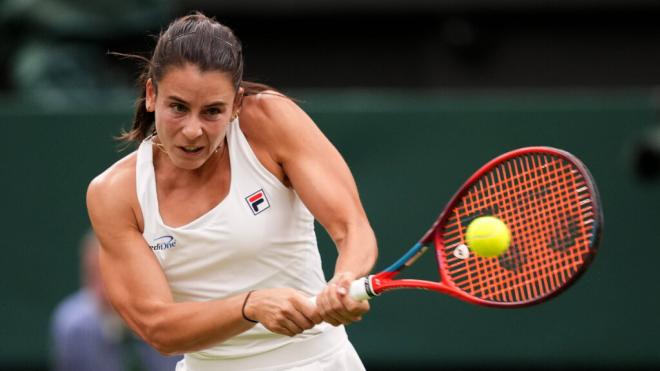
{"points": [[260, 236]]}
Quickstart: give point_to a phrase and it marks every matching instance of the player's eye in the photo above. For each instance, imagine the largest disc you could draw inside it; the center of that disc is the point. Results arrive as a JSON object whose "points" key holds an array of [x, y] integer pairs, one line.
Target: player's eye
{"points": [[213, 112], [178, 108]]}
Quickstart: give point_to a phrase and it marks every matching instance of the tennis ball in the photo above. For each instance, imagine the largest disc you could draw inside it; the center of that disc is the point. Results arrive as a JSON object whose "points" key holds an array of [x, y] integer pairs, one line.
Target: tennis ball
{"points": [[487, 236]]}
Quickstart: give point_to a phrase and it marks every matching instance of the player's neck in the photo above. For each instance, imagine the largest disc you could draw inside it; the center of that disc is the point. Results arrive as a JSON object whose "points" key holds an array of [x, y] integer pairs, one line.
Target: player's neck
{"points": [[170, 175]]}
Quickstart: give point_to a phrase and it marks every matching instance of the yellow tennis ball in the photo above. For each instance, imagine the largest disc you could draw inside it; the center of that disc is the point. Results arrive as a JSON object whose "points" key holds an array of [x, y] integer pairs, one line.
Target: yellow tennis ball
{"points": [[487, 236]]}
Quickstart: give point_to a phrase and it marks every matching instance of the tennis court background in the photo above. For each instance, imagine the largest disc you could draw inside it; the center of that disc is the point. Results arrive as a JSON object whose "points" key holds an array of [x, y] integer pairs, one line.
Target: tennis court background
{"points": [[409, 151]]}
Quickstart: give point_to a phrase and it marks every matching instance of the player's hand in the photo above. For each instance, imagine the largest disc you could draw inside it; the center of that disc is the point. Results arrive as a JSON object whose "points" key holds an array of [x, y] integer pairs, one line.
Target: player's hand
{"points": [[335, 305], [283, 311]]}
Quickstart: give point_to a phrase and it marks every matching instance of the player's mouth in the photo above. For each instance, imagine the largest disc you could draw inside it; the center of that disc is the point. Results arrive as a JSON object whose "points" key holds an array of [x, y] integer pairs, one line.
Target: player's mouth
{"points": [[191, 149]]}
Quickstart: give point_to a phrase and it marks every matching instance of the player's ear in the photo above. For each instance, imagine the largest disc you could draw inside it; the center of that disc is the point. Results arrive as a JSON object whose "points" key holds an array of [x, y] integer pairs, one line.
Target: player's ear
{"points": [[150, 96], [238, 103], [238, 100]]}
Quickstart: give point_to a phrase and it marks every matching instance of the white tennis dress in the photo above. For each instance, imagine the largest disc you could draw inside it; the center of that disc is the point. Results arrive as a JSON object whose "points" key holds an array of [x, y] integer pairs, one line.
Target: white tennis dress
{"points": [[260, 236]]}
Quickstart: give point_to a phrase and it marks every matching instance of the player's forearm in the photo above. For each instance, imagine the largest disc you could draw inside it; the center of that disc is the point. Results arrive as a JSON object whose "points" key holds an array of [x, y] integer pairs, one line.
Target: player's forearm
{"points": [[357, 250], [177, 328]]}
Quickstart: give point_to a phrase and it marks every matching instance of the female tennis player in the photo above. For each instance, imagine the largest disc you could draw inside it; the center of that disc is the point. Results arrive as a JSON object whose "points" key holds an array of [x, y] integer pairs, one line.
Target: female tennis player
{"points": [[208, 243]]}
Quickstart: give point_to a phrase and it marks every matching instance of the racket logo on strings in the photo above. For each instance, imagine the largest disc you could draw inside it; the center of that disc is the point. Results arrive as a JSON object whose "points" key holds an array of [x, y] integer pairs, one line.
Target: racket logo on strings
{"points": [[462, 252]]}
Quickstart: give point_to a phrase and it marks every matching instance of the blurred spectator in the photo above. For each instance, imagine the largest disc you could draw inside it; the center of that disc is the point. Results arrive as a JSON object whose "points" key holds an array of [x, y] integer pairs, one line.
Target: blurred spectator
{"points": [[646, 155], [88, 335], [59, 47]]}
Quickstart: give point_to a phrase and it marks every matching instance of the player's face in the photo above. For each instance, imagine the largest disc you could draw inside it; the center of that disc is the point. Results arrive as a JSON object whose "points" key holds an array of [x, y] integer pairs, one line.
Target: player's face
{"points": [[192, 110]]}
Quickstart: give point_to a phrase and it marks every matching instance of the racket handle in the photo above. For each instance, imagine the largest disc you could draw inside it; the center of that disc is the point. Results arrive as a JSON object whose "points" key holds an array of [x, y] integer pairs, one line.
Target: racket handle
{"points": [[359, 290]]}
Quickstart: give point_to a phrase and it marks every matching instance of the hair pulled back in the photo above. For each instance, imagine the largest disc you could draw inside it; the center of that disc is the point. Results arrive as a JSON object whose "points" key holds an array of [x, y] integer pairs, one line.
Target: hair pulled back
{"points": [[192, 39]]}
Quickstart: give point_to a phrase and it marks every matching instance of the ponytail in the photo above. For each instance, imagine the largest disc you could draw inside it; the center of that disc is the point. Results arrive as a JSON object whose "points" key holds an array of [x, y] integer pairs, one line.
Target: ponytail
{"points": [[143, 120]]}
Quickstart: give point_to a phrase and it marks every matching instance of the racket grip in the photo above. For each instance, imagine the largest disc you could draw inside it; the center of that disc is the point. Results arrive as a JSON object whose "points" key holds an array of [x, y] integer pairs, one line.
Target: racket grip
{"points": [[359, 290]]}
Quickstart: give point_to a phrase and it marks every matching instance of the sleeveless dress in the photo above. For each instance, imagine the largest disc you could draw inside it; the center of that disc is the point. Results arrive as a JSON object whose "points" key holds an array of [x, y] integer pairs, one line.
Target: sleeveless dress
{"points": [[259, 236]]}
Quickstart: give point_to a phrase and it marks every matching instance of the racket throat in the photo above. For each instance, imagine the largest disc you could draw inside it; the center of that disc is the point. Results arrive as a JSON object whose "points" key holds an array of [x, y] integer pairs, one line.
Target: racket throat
{"points": [[422, 249], [408, 259]]}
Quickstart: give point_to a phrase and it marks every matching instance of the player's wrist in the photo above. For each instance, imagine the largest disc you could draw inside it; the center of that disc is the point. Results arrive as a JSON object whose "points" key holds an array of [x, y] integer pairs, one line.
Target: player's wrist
{"points": [[344, 276], [246, 309]]}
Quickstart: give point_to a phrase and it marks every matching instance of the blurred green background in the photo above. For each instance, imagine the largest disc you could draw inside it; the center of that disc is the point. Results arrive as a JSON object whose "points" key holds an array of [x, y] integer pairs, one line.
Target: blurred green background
{"points": [[416, 96]]}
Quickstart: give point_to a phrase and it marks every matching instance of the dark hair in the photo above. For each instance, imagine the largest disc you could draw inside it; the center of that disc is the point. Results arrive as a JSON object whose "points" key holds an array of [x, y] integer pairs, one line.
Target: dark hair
{"points": [[195, 39]]}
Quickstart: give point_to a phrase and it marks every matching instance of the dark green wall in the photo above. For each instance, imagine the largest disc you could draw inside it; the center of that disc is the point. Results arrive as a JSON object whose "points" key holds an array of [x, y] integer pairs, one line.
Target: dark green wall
{"points": [[399, 147]]}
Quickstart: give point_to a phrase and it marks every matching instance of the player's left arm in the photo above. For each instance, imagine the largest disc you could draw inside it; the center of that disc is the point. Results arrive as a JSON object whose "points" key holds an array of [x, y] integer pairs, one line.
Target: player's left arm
{"points": [[322, 179]]}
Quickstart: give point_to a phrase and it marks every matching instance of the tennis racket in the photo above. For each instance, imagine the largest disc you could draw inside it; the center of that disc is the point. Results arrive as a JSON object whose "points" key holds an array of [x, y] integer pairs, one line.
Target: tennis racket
{"points": [[550, 203]]}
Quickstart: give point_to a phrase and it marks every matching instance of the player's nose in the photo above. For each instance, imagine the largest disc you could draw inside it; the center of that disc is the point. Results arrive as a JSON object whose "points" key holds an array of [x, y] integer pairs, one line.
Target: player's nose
{"points": [[192, 129]]}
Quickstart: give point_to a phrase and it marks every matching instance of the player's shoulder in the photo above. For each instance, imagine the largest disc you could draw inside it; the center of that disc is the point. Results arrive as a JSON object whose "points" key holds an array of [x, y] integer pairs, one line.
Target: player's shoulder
{"points": [[271, 113], [117, 181], [266, 102]]}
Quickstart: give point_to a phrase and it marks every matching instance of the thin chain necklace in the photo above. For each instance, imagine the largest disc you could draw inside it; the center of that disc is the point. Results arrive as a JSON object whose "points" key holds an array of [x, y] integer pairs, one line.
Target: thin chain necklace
{"points": [[220, 148]]}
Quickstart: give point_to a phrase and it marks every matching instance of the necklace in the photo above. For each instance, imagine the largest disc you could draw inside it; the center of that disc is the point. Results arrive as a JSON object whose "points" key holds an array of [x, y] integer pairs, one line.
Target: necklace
{"points": [[220, 148]]}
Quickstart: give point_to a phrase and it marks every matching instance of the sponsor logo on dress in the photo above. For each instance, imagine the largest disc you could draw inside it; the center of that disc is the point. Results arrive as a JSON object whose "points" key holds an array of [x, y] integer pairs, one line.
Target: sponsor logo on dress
{"points": [[163, 243], [258, 202]]}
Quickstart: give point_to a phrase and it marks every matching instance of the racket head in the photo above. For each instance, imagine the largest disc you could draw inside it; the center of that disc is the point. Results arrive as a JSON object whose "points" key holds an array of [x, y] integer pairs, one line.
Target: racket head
{"points": [[549, 201]]}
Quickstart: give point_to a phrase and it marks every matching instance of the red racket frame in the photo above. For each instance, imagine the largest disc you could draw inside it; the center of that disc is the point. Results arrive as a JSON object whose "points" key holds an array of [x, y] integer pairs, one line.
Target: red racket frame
{"points": [[384, 281]]}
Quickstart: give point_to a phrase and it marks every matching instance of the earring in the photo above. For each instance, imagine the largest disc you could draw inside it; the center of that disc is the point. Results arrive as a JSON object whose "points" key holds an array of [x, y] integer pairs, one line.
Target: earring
{"points": [[235, 115]]}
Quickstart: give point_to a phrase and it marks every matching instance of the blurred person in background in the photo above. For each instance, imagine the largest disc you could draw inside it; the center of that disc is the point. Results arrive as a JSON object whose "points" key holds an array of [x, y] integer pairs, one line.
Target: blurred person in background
{"points": [[646, 155], [87, 335], [56, 54]]}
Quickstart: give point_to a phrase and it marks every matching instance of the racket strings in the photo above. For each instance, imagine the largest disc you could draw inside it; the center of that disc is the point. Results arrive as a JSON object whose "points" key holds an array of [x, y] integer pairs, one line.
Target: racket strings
{"points": [[539, 286], [547, 204], [543, 286]]}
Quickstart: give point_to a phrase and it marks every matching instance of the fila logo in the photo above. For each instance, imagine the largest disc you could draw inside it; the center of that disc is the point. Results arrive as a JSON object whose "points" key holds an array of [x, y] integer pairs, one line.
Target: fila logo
{"points": [[257, 201]]}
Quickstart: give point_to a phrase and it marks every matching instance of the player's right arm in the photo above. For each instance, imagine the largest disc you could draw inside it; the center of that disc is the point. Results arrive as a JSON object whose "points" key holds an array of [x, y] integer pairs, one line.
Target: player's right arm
{"points": [[137, 287]]}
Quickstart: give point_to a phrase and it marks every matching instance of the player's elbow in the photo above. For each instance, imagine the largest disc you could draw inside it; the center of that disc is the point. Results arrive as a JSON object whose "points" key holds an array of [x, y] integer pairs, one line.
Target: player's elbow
{"points": [[161, 344], [158, 336], [149, 321], [163, 348], [166, 350]]}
